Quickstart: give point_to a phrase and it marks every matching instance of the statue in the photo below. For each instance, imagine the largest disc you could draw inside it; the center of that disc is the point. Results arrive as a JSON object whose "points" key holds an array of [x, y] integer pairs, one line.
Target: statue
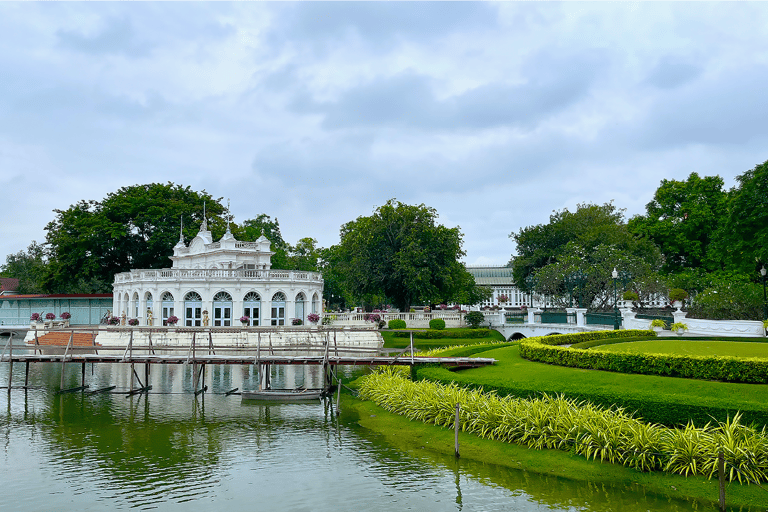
{"points": [[122, 318], [205, 318], [149, 316]]}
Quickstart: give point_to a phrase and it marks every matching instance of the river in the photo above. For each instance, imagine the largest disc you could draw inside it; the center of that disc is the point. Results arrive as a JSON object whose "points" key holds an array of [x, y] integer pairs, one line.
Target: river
{"points": [[168, 451]]}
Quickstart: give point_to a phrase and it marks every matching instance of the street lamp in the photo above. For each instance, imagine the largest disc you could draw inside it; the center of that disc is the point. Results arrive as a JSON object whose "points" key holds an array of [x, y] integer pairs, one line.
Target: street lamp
{"points": [[765, 304], [615, 276]]}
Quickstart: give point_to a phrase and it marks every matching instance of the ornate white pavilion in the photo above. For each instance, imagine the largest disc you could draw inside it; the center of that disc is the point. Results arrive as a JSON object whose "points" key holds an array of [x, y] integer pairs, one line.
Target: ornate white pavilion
{"points": [[215, 284]]}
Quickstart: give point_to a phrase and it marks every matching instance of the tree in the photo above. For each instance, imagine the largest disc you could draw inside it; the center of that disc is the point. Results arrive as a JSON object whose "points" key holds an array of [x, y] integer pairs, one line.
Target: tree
{"points": [[400, 253], [745, 237], [134, 227], [683, 219], [28, 267], [263, 225], [572, 256]]}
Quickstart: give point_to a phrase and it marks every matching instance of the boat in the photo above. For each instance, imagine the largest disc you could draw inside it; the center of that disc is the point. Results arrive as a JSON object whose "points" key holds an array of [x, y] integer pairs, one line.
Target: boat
{"points": [[283, 395]]}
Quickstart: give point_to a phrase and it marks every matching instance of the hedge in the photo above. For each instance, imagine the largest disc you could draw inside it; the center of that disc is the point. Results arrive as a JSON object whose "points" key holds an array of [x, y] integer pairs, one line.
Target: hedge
{"points": [[437, 324], [396, 323], [721, 368], [452, 333]]}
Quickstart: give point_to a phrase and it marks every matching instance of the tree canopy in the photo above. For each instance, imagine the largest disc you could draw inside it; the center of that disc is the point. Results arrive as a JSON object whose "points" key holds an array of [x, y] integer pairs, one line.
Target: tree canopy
{"points": [[401, 254], [28, 267]]}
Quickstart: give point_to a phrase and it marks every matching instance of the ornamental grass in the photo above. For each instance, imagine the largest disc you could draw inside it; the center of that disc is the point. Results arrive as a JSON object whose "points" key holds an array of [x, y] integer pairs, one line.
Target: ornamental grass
{"points": [[597, 433]]}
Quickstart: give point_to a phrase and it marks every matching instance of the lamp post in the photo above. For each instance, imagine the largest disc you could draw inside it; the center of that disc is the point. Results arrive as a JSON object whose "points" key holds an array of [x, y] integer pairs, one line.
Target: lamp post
{"points": [[615, 276], [765, 304]]}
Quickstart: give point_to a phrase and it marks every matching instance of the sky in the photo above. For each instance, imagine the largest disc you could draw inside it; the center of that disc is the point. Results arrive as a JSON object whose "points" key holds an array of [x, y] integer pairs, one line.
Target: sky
{"points": [[494, 114]]}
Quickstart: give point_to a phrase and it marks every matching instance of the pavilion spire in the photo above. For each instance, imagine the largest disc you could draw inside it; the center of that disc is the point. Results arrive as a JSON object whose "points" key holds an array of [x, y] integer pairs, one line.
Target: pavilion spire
{"points": [[204, 225], [228, 231]]}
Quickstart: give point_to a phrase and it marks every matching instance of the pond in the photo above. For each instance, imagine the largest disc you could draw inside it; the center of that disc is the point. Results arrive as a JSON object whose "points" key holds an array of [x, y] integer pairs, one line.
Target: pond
{"points": [[168, 450]]}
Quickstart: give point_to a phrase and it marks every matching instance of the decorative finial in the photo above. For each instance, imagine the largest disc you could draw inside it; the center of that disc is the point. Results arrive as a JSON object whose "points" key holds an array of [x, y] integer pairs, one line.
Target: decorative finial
{"points": [[181, 230], [204, 226], [228, 216]]}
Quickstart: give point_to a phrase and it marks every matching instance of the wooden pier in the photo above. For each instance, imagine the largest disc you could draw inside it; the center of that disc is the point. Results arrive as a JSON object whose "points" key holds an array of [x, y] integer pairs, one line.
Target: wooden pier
{"points": [[82, 348]]}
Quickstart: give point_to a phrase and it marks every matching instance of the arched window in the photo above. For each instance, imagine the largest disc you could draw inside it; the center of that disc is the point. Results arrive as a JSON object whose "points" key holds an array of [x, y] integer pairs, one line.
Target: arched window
{"points": [[193, 310], [278, 309], [135, 304], [252, 308], [315, 304], [300, 300], [167, 304], [222, 309]]}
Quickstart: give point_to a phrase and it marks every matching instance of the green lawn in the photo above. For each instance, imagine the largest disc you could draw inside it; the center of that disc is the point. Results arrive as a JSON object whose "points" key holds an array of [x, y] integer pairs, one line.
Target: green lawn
{"points": [[655, 398], [390, 341], [681, 346]]}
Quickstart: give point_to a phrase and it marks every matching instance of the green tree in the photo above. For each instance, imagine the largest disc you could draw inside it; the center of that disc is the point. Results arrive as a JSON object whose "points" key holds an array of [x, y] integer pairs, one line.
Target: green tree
{"points": [[262, 225], [134, 227], [683, 219], [745, 237], [574, 254], [28, 267], [400, 253]]}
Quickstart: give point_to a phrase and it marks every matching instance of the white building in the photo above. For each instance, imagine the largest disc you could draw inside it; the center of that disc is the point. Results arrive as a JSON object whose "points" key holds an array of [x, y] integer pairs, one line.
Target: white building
{"points": [[217, 283], [501, 283]]}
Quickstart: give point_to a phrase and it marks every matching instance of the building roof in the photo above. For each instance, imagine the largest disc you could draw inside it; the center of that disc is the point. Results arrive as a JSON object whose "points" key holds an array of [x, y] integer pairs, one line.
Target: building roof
{"points": [[490, 276], [59, 296], [9, 284]]}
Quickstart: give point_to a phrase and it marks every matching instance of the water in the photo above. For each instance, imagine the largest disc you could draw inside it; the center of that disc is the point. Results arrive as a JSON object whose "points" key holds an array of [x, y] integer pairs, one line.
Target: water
{"points": [[170, 451]]}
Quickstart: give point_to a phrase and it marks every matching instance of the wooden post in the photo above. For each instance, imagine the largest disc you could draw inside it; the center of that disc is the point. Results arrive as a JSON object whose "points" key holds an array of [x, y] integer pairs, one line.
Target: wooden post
{"points": [[10, 360], [146, 374], [721, 478], [133, 373], [456, 431], [338, 391], [26, 376], [82, 374]]}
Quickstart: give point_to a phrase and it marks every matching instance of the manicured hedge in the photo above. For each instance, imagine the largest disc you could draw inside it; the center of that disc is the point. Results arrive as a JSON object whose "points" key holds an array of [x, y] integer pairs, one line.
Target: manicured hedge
{"points": [[396, 323], [449, 333], [728, 369], [437, 324]]}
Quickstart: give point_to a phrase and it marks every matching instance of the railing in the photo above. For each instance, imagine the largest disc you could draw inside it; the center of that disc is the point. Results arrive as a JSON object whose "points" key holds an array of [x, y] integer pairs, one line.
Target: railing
{"points": [[246, 245], [603, 318], [515, 317], [668, 319], [554, 317], [206, 274]]}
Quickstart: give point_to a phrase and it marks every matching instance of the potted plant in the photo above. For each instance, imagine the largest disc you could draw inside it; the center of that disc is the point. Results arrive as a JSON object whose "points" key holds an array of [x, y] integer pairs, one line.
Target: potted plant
{"points": [[502, 298], [677, 296], [113, 320], [679, 328], [245, 320], [629, 296], [296, 321], [172, 320], [313, 317], [658, 324], [35, 317], [133, 322]]}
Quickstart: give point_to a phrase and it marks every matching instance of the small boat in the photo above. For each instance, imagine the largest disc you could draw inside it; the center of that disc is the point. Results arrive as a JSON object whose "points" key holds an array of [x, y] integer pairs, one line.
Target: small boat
{"points": [[283, 395]]}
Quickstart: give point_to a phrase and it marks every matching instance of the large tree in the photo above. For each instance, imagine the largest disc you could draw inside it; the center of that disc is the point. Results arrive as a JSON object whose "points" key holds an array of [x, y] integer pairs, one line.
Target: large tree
{"points": [[134, 227], [402, 254], [574, 254], [683, 220], [28, 267]]}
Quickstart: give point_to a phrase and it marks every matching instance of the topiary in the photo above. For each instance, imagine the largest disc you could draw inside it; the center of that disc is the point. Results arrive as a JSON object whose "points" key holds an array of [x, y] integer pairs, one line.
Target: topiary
{"points": [[396, 323], [437, 324], [676, 294], [630, 295], [474, 319]]}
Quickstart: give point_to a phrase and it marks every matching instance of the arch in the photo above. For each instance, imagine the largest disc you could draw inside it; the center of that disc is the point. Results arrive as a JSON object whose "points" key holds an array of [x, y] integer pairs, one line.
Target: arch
{"points": [[278, 309], [168, 306], [315, 303], [252, 308], [135, 303], [516, 336], [299, 306], [193, 309], [222, 309]]}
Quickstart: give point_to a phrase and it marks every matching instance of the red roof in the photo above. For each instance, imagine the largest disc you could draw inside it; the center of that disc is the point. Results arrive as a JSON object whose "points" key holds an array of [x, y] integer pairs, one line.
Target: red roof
{"points": [[9, 284]]}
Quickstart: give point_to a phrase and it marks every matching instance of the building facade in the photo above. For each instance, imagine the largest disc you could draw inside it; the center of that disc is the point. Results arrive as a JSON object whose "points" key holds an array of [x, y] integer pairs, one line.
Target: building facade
{"points": [[505, 293], [215, 284]]}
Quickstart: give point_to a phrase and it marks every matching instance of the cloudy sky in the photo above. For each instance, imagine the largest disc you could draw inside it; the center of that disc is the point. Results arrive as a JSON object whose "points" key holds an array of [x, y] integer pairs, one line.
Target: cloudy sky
{"points": [[316, 113]]}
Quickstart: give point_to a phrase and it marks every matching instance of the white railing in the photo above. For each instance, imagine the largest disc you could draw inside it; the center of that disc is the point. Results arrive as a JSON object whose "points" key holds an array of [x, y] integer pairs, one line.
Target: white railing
{"points": [[214, 245], [246, 245], [416, 320], [173, 274]]}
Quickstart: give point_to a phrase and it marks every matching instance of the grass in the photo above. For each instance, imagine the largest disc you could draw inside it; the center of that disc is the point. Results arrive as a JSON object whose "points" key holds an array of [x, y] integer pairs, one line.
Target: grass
{"points": [[409, 436], [689, 347], [390, 341], [656, 397]]}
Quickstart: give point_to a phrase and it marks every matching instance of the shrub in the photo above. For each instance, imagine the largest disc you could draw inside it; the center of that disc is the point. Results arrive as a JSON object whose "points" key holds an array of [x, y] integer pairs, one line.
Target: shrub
{"points": [[328, 320], [474, 319], [296, 321], [658, 322], [678, 326], [50, 316], [728, 301], [630, 295], [35, 317], [433, 334], [372, 317], [722, 368], [113, 320], [396, 323], [313, 317], [133, 321], [437, 324], [65, 315], [676, 294]]}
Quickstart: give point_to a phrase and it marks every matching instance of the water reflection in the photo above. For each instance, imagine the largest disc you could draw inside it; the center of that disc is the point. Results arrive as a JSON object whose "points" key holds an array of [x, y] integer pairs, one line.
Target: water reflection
{"points": [[173, 451]]}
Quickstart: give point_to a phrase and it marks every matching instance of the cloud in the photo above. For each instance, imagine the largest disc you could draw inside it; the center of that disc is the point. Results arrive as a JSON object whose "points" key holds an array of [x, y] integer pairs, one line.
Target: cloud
{"points": [[116, 37], [670, 72]]}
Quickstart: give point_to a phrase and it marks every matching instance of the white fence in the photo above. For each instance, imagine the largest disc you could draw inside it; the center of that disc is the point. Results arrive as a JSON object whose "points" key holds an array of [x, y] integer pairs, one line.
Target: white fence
{"points": [[413, 319]]}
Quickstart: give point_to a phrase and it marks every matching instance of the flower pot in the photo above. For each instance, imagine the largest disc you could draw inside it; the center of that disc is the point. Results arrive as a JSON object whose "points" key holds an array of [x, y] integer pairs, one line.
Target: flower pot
{"points": [[658, 329], [677, 304], [680, 332]]}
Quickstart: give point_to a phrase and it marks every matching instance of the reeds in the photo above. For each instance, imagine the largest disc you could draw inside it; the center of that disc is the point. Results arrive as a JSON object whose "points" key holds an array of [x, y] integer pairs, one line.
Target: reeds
{"points": [[606, 434]]}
